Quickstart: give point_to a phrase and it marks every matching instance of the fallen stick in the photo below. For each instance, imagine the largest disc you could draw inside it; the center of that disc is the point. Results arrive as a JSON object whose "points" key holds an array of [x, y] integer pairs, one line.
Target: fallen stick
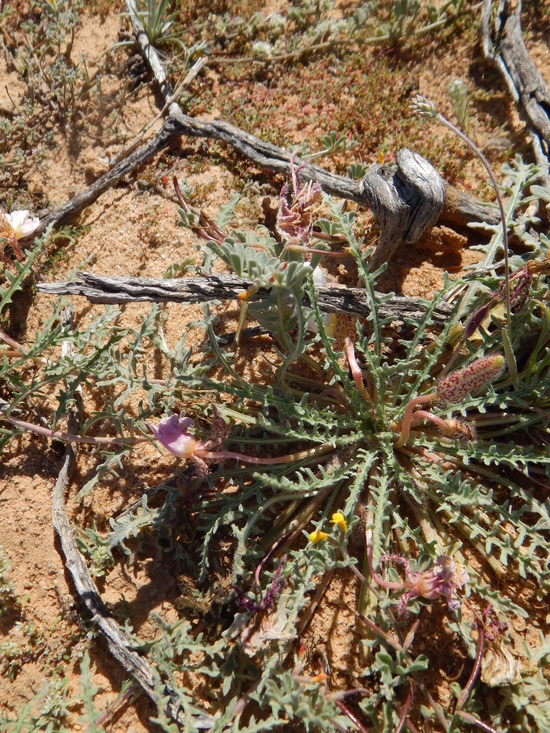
{"points": [[459, 209], [118, 290], [525, 83], [120, 646]]}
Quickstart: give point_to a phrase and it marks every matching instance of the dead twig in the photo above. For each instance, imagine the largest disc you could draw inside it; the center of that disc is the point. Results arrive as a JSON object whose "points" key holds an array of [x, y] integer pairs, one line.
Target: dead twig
{"points": [[525, 83], [193, 72], [117, 290], [120, 646], [409, 182]]}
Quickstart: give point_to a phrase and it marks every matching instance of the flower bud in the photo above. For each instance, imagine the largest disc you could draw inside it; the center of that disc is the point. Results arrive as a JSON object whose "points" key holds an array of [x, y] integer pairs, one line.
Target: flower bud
{"points": [[423, 107], [474, 377], [458, 429]]}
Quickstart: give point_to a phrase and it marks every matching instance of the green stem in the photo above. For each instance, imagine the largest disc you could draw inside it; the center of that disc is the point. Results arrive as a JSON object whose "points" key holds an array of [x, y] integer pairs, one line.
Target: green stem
{"points": [[483, 159]]}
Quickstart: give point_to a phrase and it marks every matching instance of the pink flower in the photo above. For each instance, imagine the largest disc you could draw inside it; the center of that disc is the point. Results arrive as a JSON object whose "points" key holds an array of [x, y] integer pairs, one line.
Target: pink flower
{"points": [[171, 432], [444, 578], [295, 221]]}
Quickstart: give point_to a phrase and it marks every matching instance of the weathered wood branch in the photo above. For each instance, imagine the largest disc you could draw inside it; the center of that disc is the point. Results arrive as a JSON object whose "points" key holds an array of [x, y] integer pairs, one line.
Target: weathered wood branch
{"points": [[120, 646], [82, 200], [118, 290], [459, 209], [406, 202], [525, 83]]}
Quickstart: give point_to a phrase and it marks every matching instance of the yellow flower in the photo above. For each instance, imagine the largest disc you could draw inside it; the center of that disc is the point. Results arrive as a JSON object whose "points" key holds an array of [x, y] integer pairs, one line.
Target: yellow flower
{"points": [[339, 519], [317, 536]]}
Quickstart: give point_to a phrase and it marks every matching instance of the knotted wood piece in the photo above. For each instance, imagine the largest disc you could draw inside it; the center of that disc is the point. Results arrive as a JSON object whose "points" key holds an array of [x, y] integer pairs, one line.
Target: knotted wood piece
{"points": [[406, 201]]}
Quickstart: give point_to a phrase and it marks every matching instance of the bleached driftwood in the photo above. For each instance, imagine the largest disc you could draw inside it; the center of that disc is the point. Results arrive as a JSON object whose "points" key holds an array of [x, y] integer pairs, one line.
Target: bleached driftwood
{"points": [[118, 290], [525, 83]]}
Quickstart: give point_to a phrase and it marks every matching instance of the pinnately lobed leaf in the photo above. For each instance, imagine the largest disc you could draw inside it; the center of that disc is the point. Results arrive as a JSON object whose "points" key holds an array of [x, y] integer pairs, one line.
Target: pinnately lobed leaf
{"points": [[472, 378]]}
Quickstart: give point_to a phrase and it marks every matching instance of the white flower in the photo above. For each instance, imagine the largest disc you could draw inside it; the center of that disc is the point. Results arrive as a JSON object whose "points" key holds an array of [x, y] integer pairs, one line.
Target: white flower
{"points": [[262, 48], [319, 278], [320, 281], [22, 225]]}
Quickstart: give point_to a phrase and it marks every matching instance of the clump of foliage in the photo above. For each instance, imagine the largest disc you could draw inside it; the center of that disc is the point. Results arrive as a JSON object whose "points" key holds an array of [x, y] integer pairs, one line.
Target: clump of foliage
{"points": [[8, 598], [286, 483]]}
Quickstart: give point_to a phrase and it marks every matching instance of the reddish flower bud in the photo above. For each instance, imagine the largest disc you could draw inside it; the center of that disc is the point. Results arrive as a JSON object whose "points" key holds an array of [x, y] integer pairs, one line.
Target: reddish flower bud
{"points": [[472, 378]]}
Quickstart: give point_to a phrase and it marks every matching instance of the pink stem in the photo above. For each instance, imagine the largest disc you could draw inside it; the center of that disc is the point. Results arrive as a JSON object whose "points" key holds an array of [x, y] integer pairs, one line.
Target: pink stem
{"points": [[68, 437], [406, 424], [401, 585], [12, 343], [354, 719], [405, 711], [356, 372], [377, 630], [425, 415], [227, 454], [476, 668]]}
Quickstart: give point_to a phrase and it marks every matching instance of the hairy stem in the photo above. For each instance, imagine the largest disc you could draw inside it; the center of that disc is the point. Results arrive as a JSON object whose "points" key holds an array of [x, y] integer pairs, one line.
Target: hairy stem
{"points": [[300, 455], [406, 423], [68, 437]]}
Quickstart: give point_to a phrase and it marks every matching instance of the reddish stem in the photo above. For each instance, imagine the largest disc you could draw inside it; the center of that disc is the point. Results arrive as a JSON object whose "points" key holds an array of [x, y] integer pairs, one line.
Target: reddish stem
{"points": [[356, 372], [11, 342], [476, 668], [227, 454], [425, 415], [405, 710], [354, 719], [469, 718], [406, 424], [377, 630], [68, 437], [401, 585]]}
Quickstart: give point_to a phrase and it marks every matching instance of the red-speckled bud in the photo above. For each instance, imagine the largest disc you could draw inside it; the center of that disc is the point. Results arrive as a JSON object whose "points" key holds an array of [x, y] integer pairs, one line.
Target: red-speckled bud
{"points": [[458, 385]]}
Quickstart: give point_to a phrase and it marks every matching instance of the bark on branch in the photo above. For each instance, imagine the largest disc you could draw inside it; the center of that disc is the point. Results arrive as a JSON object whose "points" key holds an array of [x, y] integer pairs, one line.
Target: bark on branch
{"points": [[118, 290], [120, 646], [525, 83]]}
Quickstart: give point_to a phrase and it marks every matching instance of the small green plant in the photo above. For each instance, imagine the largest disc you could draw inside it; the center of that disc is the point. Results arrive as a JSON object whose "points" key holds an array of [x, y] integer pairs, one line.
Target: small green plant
{"points": [[8, 598], [460, 97], [53, 707], [339, 429], [157, 20]]}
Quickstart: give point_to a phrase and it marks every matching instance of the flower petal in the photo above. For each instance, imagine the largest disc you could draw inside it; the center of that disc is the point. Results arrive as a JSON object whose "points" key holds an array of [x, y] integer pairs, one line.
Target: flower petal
{"points": [[22, 224], [172, 433]]}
